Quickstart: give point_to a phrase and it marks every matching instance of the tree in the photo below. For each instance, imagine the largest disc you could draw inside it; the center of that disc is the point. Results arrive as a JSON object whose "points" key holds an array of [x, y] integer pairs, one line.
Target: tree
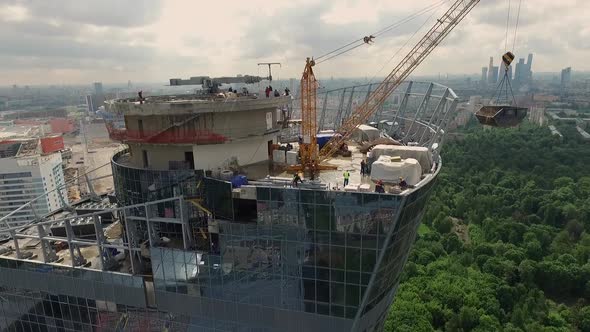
{"points": [[584, 324], [488, 323], [555, 319], [527, 271], [451, 243], [528, 244], [468, 318], [574, 229], [443, 225]]}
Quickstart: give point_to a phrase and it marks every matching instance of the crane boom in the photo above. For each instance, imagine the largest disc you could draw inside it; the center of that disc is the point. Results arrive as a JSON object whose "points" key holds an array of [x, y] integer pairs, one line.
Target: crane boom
{"points": [[443, 26], [308, 147]]}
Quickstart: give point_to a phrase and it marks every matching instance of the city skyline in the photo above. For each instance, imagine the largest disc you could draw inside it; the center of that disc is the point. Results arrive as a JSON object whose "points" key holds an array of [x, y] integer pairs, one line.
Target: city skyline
{"points": [[74, 44]]}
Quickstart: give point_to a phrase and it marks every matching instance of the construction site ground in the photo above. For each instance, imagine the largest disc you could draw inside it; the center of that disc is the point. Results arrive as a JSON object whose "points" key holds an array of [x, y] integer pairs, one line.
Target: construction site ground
{"points": [[334, 179], [99, 152]]}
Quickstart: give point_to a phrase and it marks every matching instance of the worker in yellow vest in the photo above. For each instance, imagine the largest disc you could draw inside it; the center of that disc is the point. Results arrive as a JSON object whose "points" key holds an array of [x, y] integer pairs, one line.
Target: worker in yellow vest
{"points": [[346, 178]]}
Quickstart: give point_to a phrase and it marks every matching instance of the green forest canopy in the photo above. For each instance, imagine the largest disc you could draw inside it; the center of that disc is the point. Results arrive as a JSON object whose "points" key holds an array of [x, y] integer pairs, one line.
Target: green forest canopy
{"points": [[505, 241]]}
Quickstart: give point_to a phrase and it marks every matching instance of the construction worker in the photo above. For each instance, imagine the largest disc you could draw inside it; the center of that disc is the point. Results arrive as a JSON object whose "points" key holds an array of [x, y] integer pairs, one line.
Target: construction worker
{"points": [[368, 39], [296, 178], [363, 167], [379, 187], [402, 183], [346, 177]]}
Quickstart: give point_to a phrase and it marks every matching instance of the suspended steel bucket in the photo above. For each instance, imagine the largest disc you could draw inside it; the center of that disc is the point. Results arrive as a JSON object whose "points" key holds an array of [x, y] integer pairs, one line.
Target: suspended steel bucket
{"points": [[501, 115]]}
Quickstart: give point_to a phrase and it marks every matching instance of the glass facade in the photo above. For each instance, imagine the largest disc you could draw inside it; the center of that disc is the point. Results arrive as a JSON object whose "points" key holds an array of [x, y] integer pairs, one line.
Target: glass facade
{"points": [[330, 254], [137, 185], [282, 259], [31, 310]]}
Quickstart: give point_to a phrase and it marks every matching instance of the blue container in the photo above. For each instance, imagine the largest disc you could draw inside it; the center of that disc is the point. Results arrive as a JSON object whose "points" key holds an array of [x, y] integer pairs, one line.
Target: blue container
{"points": [[238, 181], [322, 139]]}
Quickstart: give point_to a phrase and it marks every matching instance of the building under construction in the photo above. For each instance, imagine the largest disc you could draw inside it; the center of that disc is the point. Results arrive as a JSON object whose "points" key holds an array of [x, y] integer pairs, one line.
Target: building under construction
{"points": [[185, 243], [213, 227]]}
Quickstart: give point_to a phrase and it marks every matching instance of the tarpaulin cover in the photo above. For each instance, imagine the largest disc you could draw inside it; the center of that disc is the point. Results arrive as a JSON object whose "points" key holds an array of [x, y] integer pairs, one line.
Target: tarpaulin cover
{"points": [[390, 171], [364, 133], [419, 153]]}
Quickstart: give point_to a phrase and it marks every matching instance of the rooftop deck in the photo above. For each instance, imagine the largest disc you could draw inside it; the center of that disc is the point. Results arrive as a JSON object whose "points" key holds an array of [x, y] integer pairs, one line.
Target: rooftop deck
{"points": [[266, 175], [194, 104], [19, 147]]}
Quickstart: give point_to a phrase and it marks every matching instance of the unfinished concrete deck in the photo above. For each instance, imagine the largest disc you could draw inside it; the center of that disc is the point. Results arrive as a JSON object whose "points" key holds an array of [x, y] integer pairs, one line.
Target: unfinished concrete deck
{"points": [[193, 104]]}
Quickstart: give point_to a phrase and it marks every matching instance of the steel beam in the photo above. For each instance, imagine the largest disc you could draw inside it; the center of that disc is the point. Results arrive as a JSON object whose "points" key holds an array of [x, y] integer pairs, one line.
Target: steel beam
{"points": [[439, 107], [442, 123], [338, 117], [323, 113], [420, 110], [349, 106], [402, 108]]}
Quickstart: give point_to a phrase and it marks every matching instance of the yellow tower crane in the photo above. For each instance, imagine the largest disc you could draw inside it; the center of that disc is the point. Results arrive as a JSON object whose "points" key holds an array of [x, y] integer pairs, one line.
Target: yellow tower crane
{"points": [[311, 159]]}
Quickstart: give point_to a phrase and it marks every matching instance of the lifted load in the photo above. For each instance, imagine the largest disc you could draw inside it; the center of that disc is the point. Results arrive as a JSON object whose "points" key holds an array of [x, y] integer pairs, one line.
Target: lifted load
{"points": [[501, 116]]}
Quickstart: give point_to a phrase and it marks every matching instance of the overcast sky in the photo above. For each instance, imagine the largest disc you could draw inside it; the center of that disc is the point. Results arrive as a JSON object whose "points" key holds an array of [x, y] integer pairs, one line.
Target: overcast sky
{"points": [[82, 41]]}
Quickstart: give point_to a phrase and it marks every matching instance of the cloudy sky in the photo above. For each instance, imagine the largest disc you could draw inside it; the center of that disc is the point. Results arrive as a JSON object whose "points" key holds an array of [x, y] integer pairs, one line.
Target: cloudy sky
{"points": [[81, 41]]}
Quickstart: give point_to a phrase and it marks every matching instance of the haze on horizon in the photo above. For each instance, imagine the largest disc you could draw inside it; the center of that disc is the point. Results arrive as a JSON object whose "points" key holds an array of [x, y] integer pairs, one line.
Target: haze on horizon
{"points": [[78, 42]]}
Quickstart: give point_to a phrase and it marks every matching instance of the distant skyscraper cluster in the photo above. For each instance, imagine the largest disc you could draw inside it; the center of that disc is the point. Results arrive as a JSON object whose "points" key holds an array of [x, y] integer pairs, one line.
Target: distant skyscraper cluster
{"points": [[492, 72], [523, 73], [566, 77], [95, 100]]}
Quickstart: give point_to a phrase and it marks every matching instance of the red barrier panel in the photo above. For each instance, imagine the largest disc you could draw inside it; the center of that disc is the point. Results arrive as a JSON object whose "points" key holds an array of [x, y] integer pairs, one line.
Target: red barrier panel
{"points": [[61, 125], [52, 144]]}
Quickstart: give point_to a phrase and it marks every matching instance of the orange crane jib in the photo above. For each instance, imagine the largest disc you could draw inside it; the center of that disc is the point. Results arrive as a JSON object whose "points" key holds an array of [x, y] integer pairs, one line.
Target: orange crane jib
{"points": [[310, 157]]}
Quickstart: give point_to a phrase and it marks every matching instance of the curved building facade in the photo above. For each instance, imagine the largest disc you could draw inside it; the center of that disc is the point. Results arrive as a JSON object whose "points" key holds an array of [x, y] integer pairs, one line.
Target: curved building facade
{"points": [[201, 253]]}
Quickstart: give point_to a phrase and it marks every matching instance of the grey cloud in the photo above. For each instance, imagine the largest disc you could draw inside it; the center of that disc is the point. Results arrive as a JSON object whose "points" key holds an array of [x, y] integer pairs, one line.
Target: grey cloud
{"points": [[69, 42], [40, 28], [497, 16], [121, 13], [304, 29], [39, 45], [545, 45]]}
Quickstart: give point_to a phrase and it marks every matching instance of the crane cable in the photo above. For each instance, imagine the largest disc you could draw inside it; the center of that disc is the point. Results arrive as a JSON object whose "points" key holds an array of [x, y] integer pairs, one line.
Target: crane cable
{"points": [[402, 47], [380, 32], [420, 12], [360, 42], [516, 27], [505, 84], [507, 27]]}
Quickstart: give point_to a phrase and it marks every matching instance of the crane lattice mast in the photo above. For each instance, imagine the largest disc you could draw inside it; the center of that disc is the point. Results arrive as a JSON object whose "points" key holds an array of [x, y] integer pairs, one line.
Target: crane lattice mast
{"points": [[310, 159]]}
